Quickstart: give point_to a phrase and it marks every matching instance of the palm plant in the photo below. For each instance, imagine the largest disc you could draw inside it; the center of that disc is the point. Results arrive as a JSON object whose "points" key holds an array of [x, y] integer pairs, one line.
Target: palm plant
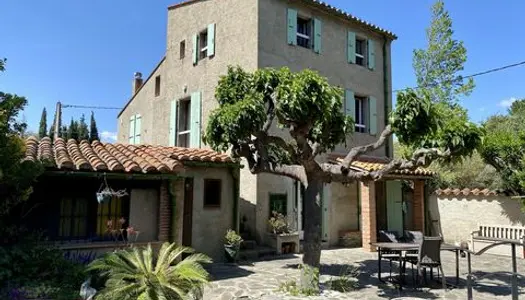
{"points": [[139, 274]]}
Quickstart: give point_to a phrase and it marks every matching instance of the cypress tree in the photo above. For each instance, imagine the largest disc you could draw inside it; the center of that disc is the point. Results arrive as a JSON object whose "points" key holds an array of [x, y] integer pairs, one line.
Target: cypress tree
{"points": [[93, 130], [42, 131], [83, 131]]}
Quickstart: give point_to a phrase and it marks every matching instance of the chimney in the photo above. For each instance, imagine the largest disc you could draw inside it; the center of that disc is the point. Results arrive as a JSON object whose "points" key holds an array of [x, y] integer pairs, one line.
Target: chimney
{"points": [[137, 82]]}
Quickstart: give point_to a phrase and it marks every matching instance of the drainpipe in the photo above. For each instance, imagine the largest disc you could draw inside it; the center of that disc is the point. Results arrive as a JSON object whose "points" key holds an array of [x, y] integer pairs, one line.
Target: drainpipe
{"points": [[386, 95]]}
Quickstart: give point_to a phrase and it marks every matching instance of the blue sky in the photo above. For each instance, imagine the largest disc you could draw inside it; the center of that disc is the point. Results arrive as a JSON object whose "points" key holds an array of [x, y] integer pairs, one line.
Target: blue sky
{"points": [[85, 52]]}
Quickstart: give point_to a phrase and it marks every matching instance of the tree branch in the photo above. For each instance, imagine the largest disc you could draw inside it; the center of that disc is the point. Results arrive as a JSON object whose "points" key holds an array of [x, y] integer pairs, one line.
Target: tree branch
{"points": [[360, 150]]}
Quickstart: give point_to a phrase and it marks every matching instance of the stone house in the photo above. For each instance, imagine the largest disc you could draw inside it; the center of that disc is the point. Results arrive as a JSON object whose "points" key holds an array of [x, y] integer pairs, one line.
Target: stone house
{"points": [[154, 182], [172, 105]]}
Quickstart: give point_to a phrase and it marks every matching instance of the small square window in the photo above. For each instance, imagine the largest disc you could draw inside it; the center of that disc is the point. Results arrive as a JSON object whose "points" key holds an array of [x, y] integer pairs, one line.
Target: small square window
{"points": [[203, 44], [360, 50], [212, 192], [304, 30], [182, 49], [278, 204], [184, 118], [360, 116], [157, 86]]}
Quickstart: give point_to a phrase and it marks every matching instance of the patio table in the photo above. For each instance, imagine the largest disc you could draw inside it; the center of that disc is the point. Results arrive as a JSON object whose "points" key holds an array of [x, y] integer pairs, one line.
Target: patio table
{"points": [[402, 247]]}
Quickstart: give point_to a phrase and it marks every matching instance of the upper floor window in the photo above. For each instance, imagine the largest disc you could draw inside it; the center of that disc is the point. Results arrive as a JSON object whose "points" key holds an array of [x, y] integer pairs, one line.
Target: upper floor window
{"points": [[360, 51], [182, 49], [203, 44], [157, 86], [184, 126], [304, 30], [360, 114]]}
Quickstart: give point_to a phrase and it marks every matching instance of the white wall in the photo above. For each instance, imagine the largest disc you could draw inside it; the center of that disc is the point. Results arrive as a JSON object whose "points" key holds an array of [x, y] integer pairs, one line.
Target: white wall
{"points": [[460, 215]]}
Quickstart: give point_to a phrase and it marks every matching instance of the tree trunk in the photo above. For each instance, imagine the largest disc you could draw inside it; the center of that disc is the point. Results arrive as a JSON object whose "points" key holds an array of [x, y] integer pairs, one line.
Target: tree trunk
{"points": [[312, 234]]}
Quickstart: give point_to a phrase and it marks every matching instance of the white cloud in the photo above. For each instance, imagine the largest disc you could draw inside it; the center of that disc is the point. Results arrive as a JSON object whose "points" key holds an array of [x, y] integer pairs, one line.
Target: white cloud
{"points": [[507, 102], [108, 136]]}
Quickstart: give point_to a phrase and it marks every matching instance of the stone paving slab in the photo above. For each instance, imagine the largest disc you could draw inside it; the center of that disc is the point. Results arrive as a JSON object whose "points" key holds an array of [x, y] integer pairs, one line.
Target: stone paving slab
{"points": [[260, 280]]}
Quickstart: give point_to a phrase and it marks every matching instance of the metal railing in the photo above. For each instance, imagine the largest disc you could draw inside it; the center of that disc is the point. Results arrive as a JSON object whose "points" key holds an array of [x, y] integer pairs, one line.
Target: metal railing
{"points": [[497, 242]]}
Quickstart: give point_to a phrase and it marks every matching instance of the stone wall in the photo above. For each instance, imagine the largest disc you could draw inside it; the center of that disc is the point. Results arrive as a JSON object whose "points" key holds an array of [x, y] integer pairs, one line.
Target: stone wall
{"points": [[457, 215]]}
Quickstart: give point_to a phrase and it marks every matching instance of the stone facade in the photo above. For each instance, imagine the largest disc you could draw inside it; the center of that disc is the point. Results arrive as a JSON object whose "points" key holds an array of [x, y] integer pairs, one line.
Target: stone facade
{"points": [[253, 34]]}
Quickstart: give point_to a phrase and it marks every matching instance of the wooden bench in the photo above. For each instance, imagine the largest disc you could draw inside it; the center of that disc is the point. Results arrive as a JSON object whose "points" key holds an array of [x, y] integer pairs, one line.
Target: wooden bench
{"points": [[486, 234]]}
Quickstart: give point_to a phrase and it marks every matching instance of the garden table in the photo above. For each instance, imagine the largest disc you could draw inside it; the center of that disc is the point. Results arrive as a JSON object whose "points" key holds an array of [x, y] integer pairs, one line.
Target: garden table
{"points": [[403, 247]]}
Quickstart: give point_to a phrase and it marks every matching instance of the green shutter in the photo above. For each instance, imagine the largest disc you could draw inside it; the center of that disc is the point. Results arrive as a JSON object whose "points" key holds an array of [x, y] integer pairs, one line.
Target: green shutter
{"points": [[325, 217], [350, 104], [371, 55], [138, 123], [173, 123], [195, 133], [317, 35], [351, 47], [195, 48], [292, 26], [372, 115], [394, 206], [132, 130], [211, 40]]}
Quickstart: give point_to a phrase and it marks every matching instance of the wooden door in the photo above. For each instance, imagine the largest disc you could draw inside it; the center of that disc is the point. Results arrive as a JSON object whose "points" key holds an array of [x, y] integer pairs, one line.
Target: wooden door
{"points": [[394, 206], [187, 218]]}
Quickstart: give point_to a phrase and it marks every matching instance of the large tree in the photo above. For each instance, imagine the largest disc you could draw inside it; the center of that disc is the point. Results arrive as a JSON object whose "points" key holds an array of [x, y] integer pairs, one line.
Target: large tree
{"points": [[42, 131], [504, 146], [93, 130], [310, 122], [16, 175]]}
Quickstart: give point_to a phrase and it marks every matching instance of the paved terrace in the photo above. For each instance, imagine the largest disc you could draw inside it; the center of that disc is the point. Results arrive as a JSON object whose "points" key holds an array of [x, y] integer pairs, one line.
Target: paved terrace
{"points": [[260, 280]]}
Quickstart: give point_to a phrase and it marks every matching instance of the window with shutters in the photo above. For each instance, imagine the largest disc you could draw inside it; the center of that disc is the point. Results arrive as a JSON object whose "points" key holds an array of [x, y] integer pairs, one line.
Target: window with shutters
{"points": [[157, 86], [184, 120], [360, 114], [212, 193], [278, 204], [304, 32], [360, 51], [203, 44], [182, 49]]}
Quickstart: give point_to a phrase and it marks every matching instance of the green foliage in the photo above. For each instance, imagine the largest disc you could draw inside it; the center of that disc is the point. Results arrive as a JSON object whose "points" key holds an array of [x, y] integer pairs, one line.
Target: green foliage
{"points": [[278, 223], [83, 131], [42, 131], [16, 175], [33, 268], [72, 130], [141, 274], [311, 289], [438, 65], [504, 146], [232, 238], [302, 100], [346, 281], [93, 130]]}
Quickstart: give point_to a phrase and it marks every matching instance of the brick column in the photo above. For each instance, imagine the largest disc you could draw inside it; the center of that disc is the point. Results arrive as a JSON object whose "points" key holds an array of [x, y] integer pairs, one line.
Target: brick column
{"points": [[418, 210], [368, 215], [164, 212]]}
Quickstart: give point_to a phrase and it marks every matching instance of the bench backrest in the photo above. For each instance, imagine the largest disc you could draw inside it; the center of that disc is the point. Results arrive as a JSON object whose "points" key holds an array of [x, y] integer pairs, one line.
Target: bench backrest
{"points": [[502, 232]]}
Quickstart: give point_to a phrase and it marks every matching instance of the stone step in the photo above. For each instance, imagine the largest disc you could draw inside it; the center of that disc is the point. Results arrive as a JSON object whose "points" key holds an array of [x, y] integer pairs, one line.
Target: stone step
{"points": [[248, 244], [257, 253]]}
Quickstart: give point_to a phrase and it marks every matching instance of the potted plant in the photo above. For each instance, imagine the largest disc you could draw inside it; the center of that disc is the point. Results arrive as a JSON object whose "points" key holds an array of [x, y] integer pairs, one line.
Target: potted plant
{"points": [[282, 237], [232, 245]]}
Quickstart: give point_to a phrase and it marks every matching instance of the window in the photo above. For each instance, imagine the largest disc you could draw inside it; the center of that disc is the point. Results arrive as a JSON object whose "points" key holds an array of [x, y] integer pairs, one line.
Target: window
{"points": [[182, 49], [203, 44], [360, 121], [212, 192], [83, 218], [278, 204], [184, 126], [304, 30], [360, 50], [157, 86]]}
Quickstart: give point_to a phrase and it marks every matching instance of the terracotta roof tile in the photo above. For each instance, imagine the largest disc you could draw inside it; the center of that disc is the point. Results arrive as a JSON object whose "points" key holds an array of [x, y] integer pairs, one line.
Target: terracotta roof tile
{"points": [[98, 156], [368, 163], [466, 192], [323, 5]]}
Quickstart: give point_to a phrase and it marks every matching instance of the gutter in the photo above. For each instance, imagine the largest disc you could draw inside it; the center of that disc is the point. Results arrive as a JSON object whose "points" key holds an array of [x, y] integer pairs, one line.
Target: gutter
{"points": [[126, 176], [386, 107]]}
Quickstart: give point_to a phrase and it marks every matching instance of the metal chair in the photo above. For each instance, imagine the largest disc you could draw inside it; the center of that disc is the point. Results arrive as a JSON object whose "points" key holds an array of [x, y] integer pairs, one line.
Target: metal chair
{"points": [[386, 236], [429, 256]]}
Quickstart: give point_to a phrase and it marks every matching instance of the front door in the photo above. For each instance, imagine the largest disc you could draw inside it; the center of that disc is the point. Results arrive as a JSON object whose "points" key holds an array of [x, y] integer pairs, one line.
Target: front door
{"points": [[394, 206], [187, 218]]}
